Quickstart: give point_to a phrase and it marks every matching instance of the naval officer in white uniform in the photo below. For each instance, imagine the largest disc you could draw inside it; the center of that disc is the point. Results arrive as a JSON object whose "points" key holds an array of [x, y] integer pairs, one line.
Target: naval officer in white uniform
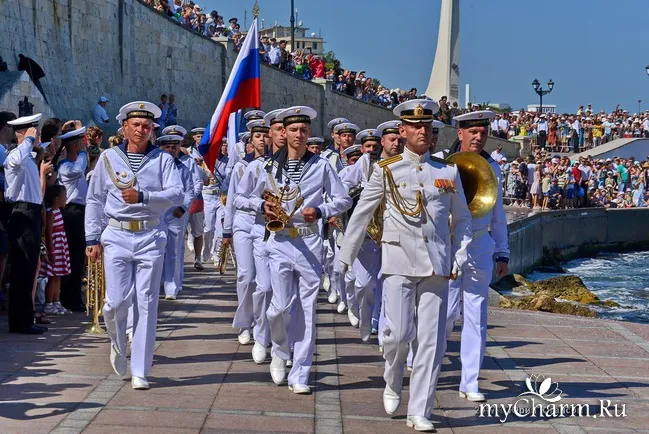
{"points": [[132, 187], [420, 252], [296, 251], [176, 219], [489, 244]]}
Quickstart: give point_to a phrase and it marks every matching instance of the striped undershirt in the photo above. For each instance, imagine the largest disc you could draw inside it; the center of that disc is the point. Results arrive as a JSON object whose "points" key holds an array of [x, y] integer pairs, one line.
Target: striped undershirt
{"points": [[135, 160], [294, 170]]}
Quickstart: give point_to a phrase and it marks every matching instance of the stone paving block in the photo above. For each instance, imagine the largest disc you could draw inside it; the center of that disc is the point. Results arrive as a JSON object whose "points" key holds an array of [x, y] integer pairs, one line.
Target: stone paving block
{"points": [[162, 419], [260, 424]]}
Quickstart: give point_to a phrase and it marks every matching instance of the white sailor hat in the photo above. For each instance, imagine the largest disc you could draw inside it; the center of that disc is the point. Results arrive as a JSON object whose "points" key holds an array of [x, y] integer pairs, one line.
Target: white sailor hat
{"points": [[369, 134], [120, 117], [346, 127], [354, 149], [72, 135], [315, 141], [254, 114], [140, 109], [198, 130], [271, 117], [258, 126], [437, 125], [416, 111], [480, 118], [169, 138], [156, 126], [389, 127], [244, 137], [332, 123], [25, 122], [120, 131], [174, 130], [297, 114]]}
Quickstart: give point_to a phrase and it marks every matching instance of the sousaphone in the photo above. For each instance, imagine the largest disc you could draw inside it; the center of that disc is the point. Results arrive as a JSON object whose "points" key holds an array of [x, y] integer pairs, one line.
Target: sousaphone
{"points": [[479, 182]]}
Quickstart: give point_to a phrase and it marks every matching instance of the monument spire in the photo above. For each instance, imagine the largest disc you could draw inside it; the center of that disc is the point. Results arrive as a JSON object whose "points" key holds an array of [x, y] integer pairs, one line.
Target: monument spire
{"points": [[445, 75]]}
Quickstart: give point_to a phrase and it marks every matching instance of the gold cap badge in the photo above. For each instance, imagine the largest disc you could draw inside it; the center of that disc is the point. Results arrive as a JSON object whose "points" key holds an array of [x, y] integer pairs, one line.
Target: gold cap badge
{"points": [[298, 111], [141, 106], [419, 110]]}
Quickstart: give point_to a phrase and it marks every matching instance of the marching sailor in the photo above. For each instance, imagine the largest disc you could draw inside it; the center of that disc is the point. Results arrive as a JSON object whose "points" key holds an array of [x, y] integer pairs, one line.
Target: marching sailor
{"points": [[367, 265], [72, 174], [489, 243], [243, 201], [333, 154], [176, 219], [133, 186], [420, 251], [315, 144], [345, 133], [217, 185], [391, 141], [294, 184], [197, 213], [237, 229]]}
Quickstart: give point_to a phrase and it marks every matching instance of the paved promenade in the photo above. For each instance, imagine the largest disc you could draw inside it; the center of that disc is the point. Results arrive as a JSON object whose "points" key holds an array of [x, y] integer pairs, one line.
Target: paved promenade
{"points": [[204, 381]]}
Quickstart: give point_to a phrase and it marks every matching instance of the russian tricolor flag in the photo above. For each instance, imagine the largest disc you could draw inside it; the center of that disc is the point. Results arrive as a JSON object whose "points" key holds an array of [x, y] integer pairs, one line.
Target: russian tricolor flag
{"points": [[243, 90]]}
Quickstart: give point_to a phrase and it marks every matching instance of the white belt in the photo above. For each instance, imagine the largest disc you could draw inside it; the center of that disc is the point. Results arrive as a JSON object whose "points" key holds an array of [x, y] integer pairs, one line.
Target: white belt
{"points": [[480, 232], [247, 212], [302, 231], [134, 225], [212, 192]]}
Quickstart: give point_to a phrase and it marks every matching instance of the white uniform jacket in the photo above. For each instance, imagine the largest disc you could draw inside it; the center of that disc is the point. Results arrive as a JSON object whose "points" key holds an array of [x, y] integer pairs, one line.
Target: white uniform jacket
{"points": [[416, 246], [318, 177], [157, 179], [188, 190], [72, 175], [198, 174], [235, 219]]}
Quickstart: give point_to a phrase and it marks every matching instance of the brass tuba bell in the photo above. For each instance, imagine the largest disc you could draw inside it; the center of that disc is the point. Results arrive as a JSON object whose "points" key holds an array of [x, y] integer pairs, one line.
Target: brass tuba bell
{"points": [[479, 182]]}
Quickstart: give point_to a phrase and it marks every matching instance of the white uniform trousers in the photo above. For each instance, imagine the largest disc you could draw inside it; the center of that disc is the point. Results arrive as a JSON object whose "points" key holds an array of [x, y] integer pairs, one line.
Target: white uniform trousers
{"points": [[378, 300], [134, 262], [337, 279], [197, 224], [366, 269], [328, 258], [243, 245], [173, 269], [474, 284], [263, 290], [295, 269], [212, 203], [407, 299]]}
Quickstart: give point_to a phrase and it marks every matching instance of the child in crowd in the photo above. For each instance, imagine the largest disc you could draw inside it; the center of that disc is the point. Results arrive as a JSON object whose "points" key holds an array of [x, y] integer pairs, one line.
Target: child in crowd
{"points": [[58, 255], [545, 188]]}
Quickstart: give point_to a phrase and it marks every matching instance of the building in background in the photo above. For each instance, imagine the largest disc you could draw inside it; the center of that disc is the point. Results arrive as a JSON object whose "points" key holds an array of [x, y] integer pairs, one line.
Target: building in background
{"points": [[547, 108], [303, 39]]}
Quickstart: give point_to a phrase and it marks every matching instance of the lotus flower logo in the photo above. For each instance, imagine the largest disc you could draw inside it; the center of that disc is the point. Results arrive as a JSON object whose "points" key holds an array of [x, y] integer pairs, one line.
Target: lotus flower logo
{"points": [[542, 387]]}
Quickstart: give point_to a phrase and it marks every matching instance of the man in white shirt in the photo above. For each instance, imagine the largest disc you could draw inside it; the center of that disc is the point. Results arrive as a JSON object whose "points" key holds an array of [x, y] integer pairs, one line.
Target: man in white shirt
{"points": [[542, 129], [503, 126], [99, 115], [497, 155], [575, 130], [274, 53]]}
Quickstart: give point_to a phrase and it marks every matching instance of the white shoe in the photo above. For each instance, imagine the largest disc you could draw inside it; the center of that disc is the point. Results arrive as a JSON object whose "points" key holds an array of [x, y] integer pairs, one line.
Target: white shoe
{"points": [[381, 349], [198, 265], [391, 400], [326, 283], [300, 389], [129, 336], [244, 336], [409, 368], [333, 296], [259, 353], [289, 362], [341, 307], [278, 370], [118, 361], [473, 396], [140, 383], [352, 318], [190, 243], [419, 423], [170, 297]]}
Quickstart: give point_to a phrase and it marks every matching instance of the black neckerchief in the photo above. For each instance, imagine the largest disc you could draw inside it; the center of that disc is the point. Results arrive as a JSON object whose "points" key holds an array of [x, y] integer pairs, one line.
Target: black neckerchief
{"points": [[249, 157]]}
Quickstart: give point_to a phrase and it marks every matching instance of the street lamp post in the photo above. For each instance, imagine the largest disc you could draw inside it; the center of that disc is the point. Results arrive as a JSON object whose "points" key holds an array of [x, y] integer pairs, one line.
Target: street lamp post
{"points": [[540, 91], [293, 25]]}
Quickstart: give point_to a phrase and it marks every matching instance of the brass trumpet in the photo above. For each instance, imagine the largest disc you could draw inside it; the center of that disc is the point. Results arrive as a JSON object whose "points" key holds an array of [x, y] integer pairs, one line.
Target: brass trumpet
{"points": [[282, 218], [95, 293]]}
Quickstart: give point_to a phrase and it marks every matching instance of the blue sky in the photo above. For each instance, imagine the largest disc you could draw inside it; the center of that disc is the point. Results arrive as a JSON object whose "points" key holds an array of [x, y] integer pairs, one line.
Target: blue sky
{"points": [[595, 51]]}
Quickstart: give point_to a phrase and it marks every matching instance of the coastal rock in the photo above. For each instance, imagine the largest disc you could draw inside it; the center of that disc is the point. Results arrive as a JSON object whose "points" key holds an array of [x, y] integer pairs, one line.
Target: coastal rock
{"points": [[511, 282], [545, 303], [569, 288]]}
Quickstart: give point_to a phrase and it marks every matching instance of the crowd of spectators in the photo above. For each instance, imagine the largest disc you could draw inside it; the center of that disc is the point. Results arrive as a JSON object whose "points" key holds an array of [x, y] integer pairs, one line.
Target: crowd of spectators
{"points": [[545, 181], [571, 132]]}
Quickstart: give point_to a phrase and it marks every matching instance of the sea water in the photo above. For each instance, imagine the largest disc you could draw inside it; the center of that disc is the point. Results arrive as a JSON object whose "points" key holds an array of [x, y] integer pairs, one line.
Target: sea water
{"points": [[621, 277]]}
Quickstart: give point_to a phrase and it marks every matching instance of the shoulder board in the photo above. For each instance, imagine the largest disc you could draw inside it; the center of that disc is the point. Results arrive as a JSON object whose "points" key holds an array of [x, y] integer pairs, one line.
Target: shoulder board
{"points": [[442, 161], [390, 160]]}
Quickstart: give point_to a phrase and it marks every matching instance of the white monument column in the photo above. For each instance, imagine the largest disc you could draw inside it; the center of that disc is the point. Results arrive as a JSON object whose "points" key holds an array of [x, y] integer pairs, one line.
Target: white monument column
{"points": [[445, 76]]}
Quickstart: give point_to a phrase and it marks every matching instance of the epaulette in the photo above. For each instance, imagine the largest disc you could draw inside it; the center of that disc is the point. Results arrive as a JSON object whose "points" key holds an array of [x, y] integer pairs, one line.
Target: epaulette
{"points": [[390, 160], [442, 161]]}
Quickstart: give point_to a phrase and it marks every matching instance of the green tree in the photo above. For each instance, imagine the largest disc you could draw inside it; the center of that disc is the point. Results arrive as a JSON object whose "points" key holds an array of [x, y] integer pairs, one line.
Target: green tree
{"points": [[331, 61]]}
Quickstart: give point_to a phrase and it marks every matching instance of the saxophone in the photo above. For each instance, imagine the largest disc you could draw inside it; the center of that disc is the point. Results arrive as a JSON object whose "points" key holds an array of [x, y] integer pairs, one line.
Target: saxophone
{"points": [[95, 293], [275, 202]]}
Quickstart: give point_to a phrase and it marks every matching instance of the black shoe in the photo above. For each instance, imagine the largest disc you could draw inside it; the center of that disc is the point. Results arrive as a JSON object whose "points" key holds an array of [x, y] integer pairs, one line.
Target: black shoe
{"points": [[33, 330]]}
